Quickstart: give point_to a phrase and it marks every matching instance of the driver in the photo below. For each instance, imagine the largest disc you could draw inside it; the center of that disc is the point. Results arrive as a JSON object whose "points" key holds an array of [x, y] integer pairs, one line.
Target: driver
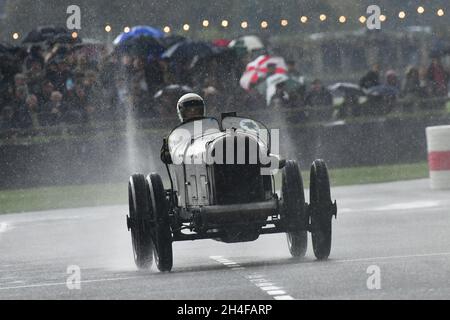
{"points": [[189, 107]]}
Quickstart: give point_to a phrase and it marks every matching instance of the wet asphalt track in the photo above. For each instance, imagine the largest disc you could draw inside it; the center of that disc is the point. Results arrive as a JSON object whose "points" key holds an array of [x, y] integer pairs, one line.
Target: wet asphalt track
{"points": [[402, 227]]}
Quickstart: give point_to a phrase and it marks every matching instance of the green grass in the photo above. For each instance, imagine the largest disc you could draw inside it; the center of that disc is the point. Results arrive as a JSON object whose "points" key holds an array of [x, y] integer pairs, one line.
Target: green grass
{"points": [[363, 175], [43, 198], [366, 175]]}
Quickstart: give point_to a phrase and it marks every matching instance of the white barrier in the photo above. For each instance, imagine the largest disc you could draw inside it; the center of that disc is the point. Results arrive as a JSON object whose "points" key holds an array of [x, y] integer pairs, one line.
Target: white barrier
{"points": [[438, 145]]}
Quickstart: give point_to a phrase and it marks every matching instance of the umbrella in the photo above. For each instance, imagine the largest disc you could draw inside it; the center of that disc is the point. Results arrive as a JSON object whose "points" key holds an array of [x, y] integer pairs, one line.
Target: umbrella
{"points": [[63, 38], [187, 52], [221, 42], [166, 98], [138, 31], [250, 43], [4, 48], [170, 40], [141, 46], [346, 88], [41, 34], [33, 36], [383, 91], [257, 69], [173, 90]]}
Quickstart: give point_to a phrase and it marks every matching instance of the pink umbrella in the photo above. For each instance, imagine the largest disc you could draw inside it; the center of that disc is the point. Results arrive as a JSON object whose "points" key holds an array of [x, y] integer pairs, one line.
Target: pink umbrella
{"points": [[257, 69]]}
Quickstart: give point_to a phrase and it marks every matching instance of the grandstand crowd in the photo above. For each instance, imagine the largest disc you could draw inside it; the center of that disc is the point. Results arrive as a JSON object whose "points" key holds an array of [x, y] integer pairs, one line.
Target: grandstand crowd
{"points": [[61, 80]]}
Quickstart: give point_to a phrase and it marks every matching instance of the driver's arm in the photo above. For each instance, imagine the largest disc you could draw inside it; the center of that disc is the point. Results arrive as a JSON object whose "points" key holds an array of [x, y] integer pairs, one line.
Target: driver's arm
{"points": [[165, 154]]}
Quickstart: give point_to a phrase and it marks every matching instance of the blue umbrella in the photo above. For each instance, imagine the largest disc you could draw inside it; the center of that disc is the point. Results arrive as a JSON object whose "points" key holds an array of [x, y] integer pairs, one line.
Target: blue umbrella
{"points": [[141, 46], [139, 31]]}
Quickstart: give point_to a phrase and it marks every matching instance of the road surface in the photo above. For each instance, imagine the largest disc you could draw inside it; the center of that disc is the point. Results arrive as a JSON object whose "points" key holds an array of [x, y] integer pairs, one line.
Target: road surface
{"points": [[390, 241]]}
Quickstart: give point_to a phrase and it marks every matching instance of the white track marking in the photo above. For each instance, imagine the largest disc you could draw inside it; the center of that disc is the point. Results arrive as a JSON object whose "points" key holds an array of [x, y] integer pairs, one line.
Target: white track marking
{"points": [[269, 288], [276, 292], [283, 298], [254, 276], [3, 227], [52, 284], [264, 284], [259, 280]]}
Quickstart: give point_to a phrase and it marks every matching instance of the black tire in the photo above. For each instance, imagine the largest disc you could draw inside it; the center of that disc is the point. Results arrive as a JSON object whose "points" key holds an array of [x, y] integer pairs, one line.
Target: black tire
{"points": [[139, 208], [162, 235], [294, 210], [321, 209]]}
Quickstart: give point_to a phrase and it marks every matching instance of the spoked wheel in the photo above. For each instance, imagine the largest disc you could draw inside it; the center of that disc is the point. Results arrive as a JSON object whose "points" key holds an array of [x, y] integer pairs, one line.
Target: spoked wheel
{"points": [[294, 209], [162, 234], [139, 221], [322, 209]]}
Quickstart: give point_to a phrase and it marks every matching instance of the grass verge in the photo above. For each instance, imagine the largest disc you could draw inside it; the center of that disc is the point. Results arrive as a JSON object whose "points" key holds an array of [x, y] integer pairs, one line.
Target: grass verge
{"points": [[43, 198]]}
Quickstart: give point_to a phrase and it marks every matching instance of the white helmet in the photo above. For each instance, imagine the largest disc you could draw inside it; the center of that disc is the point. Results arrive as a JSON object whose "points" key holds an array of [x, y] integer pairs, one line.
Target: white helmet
{"points": [[190, 106]]}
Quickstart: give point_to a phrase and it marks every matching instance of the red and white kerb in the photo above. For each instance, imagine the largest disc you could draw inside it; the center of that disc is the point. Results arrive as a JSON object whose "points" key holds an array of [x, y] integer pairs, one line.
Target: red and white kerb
{"points": [[438, 145]]}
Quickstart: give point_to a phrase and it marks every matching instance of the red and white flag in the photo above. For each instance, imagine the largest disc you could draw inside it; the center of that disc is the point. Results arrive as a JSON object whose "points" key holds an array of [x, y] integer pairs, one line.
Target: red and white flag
{"points": [[257, 69]]}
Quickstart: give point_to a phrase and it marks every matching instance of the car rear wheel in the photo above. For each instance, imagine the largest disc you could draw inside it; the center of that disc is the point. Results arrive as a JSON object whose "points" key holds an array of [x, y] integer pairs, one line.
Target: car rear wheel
{"points": [[322, 209], [139, 221], [294, 209], [162, 234]]}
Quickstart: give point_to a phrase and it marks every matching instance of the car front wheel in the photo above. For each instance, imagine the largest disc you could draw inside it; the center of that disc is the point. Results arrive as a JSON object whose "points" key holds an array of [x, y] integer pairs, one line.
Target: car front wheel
{"points": [[322, 209], [294, 209]]}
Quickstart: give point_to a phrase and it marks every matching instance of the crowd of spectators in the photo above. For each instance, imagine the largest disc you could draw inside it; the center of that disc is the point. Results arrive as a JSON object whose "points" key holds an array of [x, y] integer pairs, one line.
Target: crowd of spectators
{"points": [[418, 81], [45, 87], [74, 83]]}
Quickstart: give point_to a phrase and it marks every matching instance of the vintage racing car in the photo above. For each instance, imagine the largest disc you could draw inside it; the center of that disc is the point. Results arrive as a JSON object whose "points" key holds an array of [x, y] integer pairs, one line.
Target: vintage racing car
{"points": [[223, 187]]}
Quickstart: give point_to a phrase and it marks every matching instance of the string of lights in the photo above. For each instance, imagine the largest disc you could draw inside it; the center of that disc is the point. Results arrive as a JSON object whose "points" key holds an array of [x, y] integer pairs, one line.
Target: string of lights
{"points": [[265, 24]]}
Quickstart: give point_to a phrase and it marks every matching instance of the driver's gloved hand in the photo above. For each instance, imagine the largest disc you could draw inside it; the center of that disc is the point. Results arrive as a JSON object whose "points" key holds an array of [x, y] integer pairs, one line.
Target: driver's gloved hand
{"points": [[165, 154]]}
